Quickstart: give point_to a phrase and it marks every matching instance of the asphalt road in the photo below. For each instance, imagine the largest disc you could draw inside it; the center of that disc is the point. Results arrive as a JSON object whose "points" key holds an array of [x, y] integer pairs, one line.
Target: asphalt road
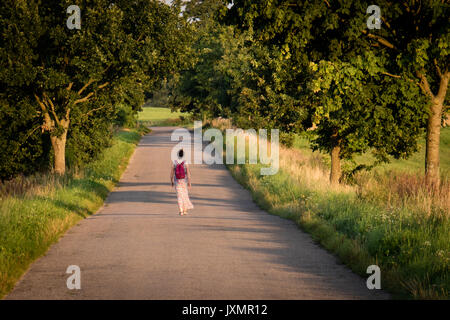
{"points": [[138, 247]]}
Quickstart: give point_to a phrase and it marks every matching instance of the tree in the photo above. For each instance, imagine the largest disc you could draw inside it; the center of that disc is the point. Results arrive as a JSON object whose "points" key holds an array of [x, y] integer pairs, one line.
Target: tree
{"points": [[340, 76], [122, 49], [414, 45], [200, 88], [353, 115]]}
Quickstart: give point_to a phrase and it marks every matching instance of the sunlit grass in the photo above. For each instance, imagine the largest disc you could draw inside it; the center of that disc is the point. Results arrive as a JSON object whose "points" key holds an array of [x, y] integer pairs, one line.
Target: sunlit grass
{"points": [[152, 116], [414, 164], [36, 211], [387, 218]]}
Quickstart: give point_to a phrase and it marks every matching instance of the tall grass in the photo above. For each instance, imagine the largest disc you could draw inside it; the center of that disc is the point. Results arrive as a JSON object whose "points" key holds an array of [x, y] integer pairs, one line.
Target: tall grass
{"points": [[385, 218], [414, 164], [35, 211]]}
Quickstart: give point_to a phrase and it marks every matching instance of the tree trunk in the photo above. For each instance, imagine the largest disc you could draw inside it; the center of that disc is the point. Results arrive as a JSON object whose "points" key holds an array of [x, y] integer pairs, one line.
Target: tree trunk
{"points": [[434, 129], [432, 144], [50, 125], [335, 165], [59, 150]]}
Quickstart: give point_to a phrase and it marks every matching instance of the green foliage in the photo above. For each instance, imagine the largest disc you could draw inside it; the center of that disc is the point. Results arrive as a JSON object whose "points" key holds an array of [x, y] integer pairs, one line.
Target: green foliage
{"points": [[327, 63], [412, 165], [24, 148], [125, 116], [201, 89], [233, 75], [86, 140], [54, 80], [30, 223], [410, 246]]}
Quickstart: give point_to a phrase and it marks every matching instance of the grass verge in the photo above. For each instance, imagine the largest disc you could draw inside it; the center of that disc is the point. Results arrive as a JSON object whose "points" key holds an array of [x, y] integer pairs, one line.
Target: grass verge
{"points": [[32, 221], [386, 218]]}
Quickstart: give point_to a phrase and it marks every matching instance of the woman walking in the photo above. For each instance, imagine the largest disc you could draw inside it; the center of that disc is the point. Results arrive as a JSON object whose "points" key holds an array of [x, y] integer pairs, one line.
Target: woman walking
{"points": [[180, 175]]}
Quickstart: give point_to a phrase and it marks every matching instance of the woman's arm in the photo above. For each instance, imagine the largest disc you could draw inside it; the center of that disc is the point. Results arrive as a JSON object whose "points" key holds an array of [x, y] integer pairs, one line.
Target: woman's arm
{"points": [[188, 175], [171, 174]]}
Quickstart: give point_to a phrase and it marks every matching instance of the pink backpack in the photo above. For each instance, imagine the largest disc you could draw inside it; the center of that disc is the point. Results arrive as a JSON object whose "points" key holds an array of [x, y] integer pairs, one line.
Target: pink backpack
{"points": [[179, 171]]}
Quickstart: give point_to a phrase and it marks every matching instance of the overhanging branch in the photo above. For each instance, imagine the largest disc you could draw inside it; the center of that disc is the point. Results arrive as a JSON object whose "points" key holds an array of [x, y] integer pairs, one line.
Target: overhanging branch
{"points": [[391, 75], [86, 98], [85, 86], [379, 39]]}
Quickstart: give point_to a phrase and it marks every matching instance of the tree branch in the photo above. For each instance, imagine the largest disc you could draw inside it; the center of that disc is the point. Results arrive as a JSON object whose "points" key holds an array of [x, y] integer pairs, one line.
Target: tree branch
{"points": [[103, 85], [385, 22], [43, 108], [85, 86], [67, 114], [52, 108], [398, 77], [424, 85], [26, 138], [443, 87], [86, 98], [437, 68], [93, 110], [47, 119], [379, 39], [391, 75]]}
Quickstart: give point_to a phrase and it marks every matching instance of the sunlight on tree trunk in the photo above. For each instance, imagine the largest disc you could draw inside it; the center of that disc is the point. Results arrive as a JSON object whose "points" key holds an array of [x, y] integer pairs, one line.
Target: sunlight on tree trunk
{"points": [[59, 149], [432, 175], [432, 145], [335, 173]]}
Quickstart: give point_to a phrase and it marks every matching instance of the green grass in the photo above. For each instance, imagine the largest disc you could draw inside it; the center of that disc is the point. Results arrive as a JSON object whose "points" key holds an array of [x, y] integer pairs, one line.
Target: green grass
{"points": [[31, 222], [387, 218], [414, 164], [411, 248], [153, 116]]}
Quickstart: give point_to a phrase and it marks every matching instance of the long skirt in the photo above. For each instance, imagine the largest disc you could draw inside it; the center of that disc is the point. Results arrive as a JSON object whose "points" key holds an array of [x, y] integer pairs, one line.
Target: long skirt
{"points": [[184, 203]]}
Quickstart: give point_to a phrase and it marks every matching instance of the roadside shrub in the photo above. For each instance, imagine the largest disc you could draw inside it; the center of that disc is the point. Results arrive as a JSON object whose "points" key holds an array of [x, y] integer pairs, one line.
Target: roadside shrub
{"points": [[125, 116], [87, 138]]}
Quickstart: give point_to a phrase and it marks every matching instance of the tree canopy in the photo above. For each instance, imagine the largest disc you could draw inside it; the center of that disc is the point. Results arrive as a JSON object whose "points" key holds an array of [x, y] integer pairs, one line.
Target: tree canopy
{"points": [[293, 65], [61, 76], [297, 64]]}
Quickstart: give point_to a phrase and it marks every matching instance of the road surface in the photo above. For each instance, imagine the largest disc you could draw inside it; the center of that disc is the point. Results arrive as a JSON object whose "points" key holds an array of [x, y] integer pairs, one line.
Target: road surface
{"points": [[138, 247]]}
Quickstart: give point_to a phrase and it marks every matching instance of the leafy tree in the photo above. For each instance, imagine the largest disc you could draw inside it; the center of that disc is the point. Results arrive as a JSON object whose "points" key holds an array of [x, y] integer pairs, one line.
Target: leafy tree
{"points": [[24, 148], [339, 76], [233, 75], [263, 92], [201, 89], [204, 13], [413, 45], [64, 76]]}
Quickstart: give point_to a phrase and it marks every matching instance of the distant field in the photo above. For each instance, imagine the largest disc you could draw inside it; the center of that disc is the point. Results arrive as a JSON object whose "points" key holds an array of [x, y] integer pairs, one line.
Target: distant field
{"points": [[159, 116], [413, 164]]}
